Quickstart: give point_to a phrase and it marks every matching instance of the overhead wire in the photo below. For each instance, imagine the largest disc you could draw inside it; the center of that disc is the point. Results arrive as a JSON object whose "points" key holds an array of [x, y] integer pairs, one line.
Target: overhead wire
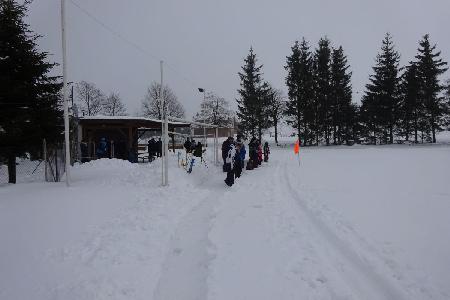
{"points": [[136, 46], [112, 31]]}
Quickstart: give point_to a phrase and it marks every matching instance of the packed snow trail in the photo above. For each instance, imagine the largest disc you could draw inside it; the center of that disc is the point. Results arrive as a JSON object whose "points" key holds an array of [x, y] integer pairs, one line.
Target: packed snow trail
{"points": [[185, 270], [270, 245]]}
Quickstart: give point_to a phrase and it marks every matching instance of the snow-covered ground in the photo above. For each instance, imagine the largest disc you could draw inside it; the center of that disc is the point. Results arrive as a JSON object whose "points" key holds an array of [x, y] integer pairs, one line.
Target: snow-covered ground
{"points": [[354, 222]]}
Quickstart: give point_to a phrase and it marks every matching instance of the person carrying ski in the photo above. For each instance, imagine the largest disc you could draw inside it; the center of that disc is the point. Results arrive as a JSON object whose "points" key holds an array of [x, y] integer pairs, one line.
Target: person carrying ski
{"points": [[225, 148], [188, 146], [229, 164], [198, 150], [266, 151]]}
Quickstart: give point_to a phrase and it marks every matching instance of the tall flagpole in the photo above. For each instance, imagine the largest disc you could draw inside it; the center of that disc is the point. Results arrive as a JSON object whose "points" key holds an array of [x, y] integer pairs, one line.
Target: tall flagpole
{"points": [[166, 141], [163, 128], [66, 106]]}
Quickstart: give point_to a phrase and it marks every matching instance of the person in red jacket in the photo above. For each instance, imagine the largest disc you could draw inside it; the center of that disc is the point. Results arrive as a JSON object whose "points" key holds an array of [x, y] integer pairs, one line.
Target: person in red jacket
{"points": [[266, 151], [260, 153]]}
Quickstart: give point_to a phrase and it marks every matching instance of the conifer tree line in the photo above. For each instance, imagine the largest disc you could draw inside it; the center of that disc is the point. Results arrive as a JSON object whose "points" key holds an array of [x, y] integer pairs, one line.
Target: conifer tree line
{"points": [[259, 104], [409, 103]]}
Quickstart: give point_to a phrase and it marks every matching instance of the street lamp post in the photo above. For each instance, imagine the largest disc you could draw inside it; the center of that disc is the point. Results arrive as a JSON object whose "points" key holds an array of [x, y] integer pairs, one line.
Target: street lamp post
{"points": [[66, 106], [202, 90]]}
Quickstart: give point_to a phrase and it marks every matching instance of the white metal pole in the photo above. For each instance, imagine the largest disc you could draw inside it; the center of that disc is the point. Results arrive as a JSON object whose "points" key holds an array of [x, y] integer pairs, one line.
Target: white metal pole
{"points": [[161, 98], [166, 143], [166, 148], [66, 106], [217, 145], [205, 138]]}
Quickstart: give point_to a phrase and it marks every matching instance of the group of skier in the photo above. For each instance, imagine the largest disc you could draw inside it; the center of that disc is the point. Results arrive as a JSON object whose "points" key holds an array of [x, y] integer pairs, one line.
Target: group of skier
{"points": [[154, 149], [233, 155], [193, 150]]}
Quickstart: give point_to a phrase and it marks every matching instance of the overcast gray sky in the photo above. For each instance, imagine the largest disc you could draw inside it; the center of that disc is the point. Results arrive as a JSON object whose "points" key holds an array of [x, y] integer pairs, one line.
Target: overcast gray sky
{"points": [[205, 41]]}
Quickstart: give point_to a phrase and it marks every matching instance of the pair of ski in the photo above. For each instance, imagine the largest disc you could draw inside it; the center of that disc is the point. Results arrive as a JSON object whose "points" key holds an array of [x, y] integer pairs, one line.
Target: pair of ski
{"points": [[190, 163]]}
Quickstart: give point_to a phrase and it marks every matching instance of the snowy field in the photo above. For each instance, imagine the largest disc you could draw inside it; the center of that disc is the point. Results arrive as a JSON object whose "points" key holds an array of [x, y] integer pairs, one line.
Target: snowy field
{"points": [[355, 222]]}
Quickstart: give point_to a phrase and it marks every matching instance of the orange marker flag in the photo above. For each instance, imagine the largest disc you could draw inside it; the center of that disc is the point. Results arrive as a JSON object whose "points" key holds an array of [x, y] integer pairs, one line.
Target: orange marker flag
{"points": [[297, 147], [297, 150]]}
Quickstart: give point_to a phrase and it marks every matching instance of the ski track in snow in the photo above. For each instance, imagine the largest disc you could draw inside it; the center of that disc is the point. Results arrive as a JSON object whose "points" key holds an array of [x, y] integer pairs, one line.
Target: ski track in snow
{"points": [[366, 282], [270, 244], [186, 266]]}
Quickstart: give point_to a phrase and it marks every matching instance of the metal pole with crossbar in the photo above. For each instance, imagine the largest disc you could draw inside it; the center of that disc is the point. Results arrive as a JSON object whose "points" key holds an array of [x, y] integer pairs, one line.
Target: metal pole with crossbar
{"points": [[66, 106]]}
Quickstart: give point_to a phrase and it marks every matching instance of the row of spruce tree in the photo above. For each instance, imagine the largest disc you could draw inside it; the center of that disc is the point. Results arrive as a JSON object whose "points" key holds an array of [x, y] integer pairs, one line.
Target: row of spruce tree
{"points": [[404, 103]]}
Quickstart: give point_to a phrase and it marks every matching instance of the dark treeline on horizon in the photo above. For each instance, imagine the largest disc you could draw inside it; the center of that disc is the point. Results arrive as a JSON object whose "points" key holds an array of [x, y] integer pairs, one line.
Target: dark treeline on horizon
{"points": [[400, 103]]}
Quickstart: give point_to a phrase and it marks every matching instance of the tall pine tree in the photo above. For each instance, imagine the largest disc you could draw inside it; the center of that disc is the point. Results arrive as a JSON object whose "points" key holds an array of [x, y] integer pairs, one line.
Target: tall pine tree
{"points": [[381, 101], [411, 106], [300, 109], [341, 97], [429, 67], [447, 101], [29, 108], [254, 101], [322, 79]]}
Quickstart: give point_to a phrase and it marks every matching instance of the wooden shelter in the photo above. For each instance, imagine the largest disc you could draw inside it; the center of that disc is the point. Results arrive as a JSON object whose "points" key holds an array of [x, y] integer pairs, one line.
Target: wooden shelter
{"points": [[121, 133]]}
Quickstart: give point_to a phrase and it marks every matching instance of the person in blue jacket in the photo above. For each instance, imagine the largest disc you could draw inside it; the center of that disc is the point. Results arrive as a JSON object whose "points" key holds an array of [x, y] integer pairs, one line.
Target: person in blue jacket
{"points": [[102, 149], [240, 158]]}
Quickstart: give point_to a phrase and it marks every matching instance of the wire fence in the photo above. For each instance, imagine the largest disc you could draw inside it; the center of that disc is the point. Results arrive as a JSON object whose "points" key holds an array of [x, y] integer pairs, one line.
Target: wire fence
{"points": [[45, 165], [27, 170]]}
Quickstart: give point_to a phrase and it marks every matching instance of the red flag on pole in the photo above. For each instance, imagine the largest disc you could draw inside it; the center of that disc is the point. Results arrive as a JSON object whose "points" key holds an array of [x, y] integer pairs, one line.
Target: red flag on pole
{"points": [[297, 150], [297, 147]]}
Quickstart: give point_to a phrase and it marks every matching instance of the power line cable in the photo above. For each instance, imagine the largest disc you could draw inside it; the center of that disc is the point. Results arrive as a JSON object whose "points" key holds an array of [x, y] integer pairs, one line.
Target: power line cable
{"points": [[135, 45], [112, 31]]}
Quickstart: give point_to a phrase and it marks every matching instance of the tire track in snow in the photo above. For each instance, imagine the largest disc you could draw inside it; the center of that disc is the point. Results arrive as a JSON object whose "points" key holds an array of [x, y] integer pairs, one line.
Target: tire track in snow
{"points": [[359, 274]]}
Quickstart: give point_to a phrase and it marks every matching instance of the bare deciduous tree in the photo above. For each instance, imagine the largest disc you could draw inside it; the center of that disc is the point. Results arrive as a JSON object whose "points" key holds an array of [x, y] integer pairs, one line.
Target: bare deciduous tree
{"points": [[113, 106], [215, 110], [151, 105], [90, 98]]}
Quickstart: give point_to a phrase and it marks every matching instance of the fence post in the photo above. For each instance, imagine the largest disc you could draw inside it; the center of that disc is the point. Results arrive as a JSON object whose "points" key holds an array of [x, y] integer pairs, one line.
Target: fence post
{"points": [[111, 149], [217, 146], [44, 150], [56, 166]]}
